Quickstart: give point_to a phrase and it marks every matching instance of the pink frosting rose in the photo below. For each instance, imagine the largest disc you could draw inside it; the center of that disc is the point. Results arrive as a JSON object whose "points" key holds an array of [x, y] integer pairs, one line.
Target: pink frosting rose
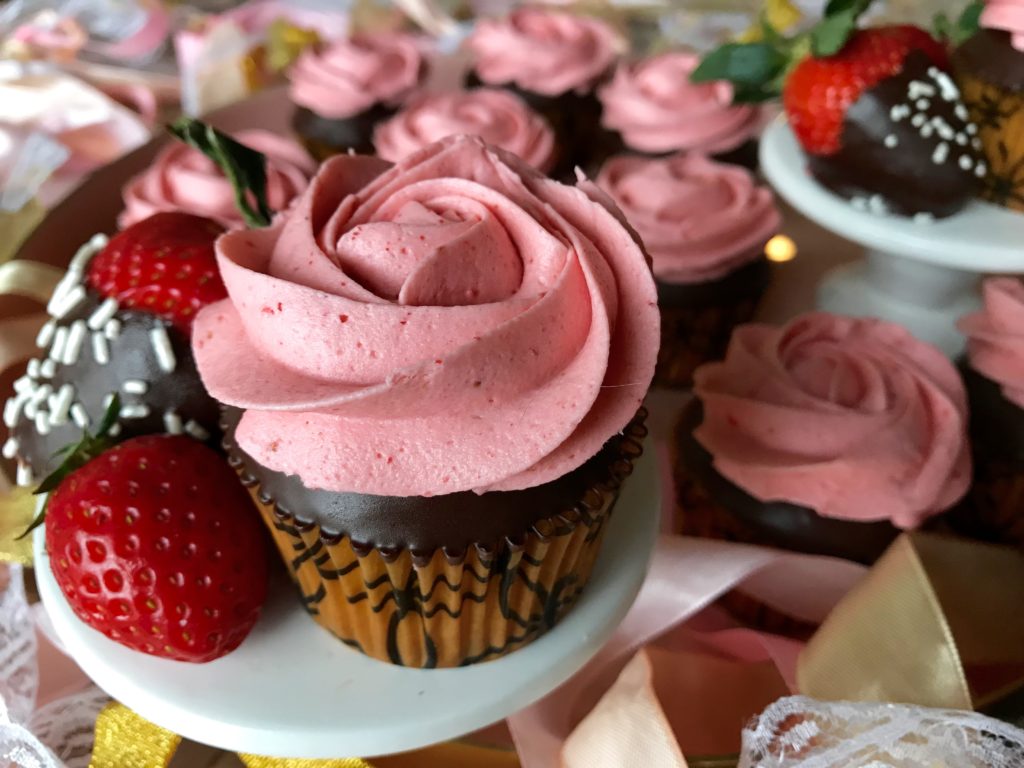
{"points": [[349, 76], [544, 51], [995, 336], [698, 219], [1007, 15], [853, 418], [656, 108], [183, 179], [498, 117], [456, 322]]}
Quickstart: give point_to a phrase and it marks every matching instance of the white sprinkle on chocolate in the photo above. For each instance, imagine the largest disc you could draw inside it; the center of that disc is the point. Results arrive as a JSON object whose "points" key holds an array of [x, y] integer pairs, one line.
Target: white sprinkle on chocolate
{"points": [[60, 341], [48, 368], [25, 477], [61, 407], [134, 411], [69, 302], [84, 255], [10, 449], [80, 416], [60, 291], [112, 329], [46, 334], [962, 112], [961, 139], [972, 129], [34, 367], [76, 337], [161, 343], [877, 205], [946, 85], [194, 429], [923, 105], [976, 142], [108, 400], [102, 314], [941, 153], [12, 410], [42, 423], [115, 430], [980, 169], [891, 141], [40, 395], [25, 385], [899, 111], [100, 348], [916, 90], [172, 423], [135, 387], [918, 120], [966, 162]]}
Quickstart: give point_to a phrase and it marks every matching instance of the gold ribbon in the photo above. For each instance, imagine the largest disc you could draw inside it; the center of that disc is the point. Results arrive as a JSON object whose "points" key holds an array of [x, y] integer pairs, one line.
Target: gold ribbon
{"points": [[937, 622], [782, 15], [126, 740], [30, 279], [256, 761], [17, 509]]}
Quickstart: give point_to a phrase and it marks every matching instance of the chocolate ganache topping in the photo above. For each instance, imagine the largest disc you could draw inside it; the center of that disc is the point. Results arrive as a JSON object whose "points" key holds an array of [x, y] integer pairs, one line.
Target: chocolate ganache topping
{"points": [[908, 146]]}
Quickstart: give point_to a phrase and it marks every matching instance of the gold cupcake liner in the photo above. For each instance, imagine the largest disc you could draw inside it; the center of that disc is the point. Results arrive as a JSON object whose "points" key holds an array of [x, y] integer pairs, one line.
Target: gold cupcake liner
{"points": [[999, 115], [692, 336], [994, 507], [444, 609]]}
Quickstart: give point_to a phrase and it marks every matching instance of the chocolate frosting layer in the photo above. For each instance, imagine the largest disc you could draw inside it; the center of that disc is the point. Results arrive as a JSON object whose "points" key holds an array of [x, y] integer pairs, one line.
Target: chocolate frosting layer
{"points": [[990, 56], [131, 358], [424, 524], [777, 523], [997, 424], [906, 146], [354, 132], [749, 280]]}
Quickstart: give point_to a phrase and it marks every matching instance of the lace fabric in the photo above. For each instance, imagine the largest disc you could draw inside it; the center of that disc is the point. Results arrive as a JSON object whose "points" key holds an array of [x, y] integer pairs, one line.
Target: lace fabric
{"points": [[798, 732]]}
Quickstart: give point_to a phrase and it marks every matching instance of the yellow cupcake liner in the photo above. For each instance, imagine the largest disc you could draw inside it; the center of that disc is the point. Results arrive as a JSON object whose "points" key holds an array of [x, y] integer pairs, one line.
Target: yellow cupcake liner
{"points": [[999, 115]]}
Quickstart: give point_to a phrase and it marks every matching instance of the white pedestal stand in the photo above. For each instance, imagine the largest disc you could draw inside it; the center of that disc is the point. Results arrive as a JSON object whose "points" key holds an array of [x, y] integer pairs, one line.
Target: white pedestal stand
{"points": [[923, 275]]}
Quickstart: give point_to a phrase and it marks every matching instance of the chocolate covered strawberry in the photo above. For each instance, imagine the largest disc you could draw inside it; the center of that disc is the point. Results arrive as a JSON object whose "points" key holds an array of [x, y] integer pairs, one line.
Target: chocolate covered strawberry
{"points": [[157, 545], [875, 109]]}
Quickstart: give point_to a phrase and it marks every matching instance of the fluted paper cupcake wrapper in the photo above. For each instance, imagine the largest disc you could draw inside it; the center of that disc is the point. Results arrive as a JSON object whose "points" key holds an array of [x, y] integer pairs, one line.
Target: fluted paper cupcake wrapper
{"points": [[994, 507], [445, 609], [999, 115]]}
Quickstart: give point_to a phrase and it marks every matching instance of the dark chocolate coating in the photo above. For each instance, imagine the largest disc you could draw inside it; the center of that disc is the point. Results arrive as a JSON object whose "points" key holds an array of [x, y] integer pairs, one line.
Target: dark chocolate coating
{"points": [[997, 424], [989, 55], [778, 523], [749, 280], [423, 524], [131, 357], [354, 132], [906, 175]]}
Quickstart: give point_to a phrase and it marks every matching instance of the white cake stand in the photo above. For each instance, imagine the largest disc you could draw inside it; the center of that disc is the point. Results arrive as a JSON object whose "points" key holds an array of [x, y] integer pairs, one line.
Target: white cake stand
{"points": [[921, 275], [292, 690]]}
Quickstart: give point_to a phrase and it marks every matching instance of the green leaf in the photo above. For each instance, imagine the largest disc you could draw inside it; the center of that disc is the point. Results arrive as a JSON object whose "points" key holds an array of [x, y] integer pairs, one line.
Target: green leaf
{"points": [[748, 66], [966, 25], [840, 21], [244, 167]]}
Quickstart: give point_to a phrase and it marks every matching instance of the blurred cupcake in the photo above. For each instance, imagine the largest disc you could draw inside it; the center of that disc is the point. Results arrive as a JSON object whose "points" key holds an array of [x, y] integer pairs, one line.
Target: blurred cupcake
{"points": [[990, 70], [705, 225], [183, 179], [655, 108], [499, 117], [343, 90], [555, 60], [433, 396], [994, 375], [826, 436]]}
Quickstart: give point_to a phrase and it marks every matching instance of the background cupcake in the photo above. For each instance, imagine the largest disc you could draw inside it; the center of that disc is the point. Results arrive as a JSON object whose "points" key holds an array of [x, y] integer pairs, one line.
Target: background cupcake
{"points": [[554, 60], [344, 89], [654, 107], [705, 225], [825, 436], [990, 70], [498, 117], [434, 377], [994, 375], [183, 179]]}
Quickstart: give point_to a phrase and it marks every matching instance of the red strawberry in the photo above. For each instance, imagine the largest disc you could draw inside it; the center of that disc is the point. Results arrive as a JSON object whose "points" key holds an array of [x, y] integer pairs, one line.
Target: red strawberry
{"points": [[164, 265], [819, 91], [157, 545]]}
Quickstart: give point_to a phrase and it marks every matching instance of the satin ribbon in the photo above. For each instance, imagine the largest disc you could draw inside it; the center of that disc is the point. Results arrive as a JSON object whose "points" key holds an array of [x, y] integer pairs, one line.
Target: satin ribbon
{"points": [[125, 740]]}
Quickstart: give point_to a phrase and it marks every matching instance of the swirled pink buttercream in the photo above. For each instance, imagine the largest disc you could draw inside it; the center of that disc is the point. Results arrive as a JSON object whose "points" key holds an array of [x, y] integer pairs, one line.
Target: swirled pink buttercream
{"points": [[853, 418], [544, 51], [995, 336], [698, 219], [456, 322], [350, 76], [183, 179], [498, 117], [656, 108], [1007, 15]]}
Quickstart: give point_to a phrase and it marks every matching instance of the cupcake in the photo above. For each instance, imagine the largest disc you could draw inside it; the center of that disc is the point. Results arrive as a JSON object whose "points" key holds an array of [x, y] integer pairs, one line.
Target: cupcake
{"points": [[183, 179], [705, 225], [498, 117], [654, 107], [827, 436], [341, 91], [555, 60], [990, 70], [433, 377], [994, 376]]}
